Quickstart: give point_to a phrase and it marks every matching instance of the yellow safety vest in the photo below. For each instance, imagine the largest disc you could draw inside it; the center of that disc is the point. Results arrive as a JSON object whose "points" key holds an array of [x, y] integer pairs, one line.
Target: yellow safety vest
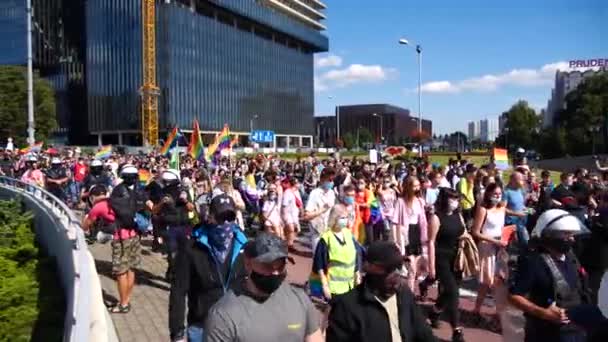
{"points": [[342, 259]]}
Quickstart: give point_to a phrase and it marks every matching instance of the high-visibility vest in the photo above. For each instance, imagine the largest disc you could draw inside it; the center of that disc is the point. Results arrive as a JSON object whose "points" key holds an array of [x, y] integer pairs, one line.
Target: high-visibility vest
{"points": [[342, 259]]}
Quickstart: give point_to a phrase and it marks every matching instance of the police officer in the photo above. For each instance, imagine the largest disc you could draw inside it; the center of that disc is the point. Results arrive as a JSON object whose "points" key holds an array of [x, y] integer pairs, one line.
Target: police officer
{"points": [[173, 214], [57, 179], [96, 176], [549, 280]]}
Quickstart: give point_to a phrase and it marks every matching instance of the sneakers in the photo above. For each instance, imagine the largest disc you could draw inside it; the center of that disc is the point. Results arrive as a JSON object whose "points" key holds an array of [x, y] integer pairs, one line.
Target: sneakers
{"points": [[457, 335]]}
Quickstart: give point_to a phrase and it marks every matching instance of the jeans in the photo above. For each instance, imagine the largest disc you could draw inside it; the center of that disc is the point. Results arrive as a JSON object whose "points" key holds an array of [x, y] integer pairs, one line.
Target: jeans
{"points": [[195, 334]]}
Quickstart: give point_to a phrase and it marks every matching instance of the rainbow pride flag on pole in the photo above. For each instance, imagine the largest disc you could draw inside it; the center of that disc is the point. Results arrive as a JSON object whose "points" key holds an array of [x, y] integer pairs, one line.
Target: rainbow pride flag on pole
{"points": [[104, 153], [501, 159], [196, 148], [171, 141], [36, 148], [221, 142]]}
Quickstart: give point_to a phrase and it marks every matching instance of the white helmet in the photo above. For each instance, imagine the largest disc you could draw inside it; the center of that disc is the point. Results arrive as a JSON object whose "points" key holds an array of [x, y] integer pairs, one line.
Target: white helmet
{"points": [[558, 220], [32, 158], [521, 150], [96, 162], [55, 160], [170, 175], [128, 169]]}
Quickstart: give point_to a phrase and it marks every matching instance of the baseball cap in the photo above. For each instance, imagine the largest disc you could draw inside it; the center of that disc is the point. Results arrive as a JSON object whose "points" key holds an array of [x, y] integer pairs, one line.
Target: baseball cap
{"points": [[222, 208], [267, 248], [385, 254]]}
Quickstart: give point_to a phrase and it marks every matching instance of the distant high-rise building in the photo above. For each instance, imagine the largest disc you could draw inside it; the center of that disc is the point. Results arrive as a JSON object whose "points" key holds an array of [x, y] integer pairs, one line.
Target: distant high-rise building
{"points": [[474, 130], [488, 130], [565, 82]]}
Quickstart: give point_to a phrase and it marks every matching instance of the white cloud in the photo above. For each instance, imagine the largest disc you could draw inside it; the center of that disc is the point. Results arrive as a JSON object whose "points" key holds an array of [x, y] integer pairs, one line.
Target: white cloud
{"points": [[353, 74], [542, 76], [328, 61]]}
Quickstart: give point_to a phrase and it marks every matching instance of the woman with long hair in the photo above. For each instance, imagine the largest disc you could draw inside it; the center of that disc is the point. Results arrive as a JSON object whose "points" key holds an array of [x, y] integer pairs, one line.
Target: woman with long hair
{"points": [[487, 230], [445, 228], [410, 225]]}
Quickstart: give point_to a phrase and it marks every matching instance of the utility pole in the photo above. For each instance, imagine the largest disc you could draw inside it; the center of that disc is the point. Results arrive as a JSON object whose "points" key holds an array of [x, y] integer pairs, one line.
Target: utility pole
{"points": [[31, 127]]}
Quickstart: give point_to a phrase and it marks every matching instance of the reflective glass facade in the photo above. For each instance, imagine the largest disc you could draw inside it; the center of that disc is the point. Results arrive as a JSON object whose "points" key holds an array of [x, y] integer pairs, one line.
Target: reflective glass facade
{"points": [[212, 64], [13, 31]]}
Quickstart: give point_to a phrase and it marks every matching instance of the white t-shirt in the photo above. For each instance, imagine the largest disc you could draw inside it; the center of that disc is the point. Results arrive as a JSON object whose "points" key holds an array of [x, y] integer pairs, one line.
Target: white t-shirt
{"points": [[317, 200], [291, 212]]}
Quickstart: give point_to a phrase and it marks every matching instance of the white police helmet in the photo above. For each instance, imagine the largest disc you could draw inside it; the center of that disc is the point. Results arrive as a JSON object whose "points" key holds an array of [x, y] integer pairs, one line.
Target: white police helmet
{"points": [[31, 158], [559, 221], [96, 162], [128, 169], [521, 150], [55, 161], [170, 175]]}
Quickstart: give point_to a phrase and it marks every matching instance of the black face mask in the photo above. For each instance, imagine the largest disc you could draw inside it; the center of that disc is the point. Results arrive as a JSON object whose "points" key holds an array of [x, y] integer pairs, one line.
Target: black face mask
{"points": [[560, 245], [267, 283], [129, 180]]}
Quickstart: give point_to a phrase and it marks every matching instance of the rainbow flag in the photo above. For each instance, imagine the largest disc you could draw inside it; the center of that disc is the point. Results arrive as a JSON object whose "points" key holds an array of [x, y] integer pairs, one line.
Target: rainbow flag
{"points": [[144, 176], [171, 141], [222, 141], [374, 206], [501, 159], [196, 148], [36, 148], [104, 152]]}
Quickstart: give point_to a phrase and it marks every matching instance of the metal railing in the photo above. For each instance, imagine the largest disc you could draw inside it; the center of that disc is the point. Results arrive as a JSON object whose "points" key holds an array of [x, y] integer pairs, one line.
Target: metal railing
{"points": [[58, 231]]}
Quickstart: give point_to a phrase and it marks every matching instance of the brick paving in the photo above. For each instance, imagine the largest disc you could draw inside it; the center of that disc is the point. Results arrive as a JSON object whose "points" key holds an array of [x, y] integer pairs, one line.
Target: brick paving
{"points": [[148, 319]]}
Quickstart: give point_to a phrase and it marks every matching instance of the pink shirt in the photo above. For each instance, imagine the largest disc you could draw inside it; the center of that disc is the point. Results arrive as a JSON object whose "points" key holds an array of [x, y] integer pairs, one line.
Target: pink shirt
{"points": [[33, 177], [401, 216], [103, 210]]}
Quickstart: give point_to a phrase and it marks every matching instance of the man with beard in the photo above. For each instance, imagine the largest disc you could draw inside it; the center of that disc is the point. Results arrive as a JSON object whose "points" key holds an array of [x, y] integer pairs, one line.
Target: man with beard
{"points": [[56, 179], [265, 307], [361, 314], [206, 267]]}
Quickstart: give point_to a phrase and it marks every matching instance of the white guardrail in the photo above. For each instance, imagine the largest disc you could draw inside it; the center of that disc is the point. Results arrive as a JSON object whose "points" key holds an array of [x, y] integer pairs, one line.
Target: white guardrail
{"points": [[59, 233]]}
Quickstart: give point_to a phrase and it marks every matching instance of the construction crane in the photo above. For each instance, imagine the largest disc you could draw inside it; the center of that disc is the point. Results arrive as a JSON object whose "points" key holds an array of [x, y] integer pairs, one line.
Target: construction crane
{"points": [[149, 90]]}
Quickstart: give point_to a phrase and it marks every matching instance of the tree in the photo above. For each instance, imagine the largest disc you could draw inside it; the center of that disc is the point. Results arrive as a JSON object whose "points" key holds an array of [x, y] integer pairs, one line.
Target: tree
{"points": [[365, 136], [348, 140], [457, 141], [521, 126], [586, 107], [13, 105], [552, 142]]}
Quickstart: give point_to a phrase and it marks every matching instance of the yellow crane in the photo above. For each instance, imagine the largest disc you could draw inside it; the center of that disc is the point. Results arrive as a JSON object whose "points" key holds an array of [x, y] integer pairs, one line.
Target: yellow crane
{"points": [[149, 90]]}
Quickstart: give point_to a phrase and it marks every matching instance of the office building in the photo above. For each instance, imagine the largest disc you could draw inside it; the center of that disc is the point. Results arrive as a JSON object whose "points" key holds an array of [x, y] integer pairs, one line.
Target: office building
{"points": [[488, 130], [325, 131], [388, 124], [474, 130], [241, 62], [565, 82]]}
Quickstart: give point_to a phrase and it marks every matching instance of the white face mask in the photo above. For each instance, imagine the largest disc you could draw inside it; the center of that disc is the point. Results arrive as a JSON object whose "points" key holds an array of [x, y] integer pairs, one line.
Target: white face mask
{"points": [[452, 205]]}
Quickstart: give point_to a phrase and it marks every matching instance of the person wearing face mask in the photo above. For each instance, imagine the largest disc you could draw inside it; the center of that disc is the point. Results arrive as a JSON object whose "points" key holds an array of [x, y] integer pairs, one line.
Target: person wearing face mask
{"points": [[56, 179], [318, 206], [363, 194], [446, 226], [388, 199], [126, 200], [173, 214], [381, 308], [265, 307], [206, 267], [32, 174], [487, 229], [335, 268], [409, 220], [96, 176], [549, 280], [271, 212]]}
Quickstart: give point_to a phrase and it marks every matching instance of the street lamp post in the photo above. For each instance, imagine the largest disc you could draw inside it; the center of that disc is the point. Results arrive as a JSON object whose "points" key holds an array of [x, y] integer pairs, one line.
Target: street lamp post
{"points": [[381, 135], [251, 122], [31, 128], [404, 41], [593, 130], [337, 119]]}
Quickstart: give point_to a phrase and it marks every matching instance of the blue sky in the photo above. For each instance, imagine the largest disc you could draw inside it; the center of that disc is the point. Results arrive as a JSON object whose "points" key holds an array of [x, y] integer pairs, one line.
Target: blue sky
{"points": [[479, 57]]}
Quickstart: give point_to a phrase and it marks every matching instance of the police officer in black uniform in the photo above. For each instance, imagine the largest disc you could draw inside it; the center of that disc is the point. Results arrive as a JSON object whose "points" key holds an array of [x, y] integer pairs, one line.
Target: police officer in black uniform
{"points": [[548, 280], [96, 176], [57, 179]]}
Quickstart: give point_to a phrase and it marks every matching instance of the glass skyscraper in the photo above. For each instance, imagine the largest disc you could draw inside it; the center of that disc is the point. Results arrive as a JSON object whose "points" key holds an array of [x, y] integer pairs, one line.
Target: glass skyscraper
{"points": [[244, 63]]}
